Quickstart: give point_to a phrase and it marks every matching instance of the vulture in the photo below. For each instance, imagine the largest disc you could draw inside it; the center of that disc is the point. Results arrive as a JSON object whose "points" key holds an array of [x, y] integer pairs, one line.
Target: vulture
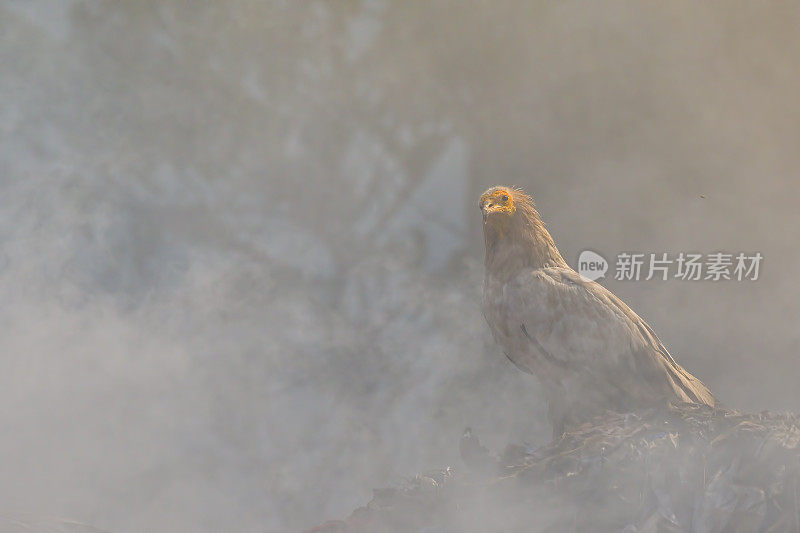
{"points": [[591, 353]]}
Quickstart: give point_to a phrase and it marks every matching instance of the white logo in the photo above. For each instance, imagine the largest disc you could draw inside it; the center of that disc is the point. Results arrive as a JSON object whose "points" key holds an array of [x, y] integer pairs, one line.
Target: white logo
{"points": [[591, 265]]}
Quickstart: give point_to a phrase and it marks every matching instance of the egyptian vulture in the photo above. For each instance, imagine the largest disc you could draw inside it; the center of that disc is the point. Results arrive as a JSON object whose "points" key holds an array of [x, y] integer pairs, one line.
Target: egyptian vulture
{"points": [[590, 351]]}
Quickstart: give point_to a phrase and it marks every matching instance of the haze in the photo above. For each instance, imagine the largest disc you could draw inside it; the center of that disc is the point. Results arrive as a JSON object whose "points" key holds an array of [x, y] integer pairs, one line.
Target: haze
{"points": [[241, 255]]}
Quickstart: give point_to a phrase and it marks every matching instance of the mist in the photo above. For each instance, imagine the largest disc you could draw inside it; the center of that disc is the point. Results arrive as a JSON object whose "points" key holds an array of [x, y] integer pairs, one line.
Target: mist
{"points": [[241, 255]]}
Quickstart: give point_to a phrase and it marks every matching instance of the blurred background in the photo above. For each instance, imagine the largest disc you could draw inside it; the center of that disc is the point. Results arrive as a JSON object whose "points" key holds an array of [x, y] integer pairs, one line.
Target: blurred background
{"points": [[241, 255]]}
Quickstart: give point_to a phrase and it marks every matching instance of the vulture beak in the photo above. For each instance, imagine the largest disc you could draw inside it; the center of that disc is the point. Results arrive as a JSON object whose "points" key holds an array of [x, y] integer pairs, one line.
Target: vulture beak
{"points": [[486, 209]]}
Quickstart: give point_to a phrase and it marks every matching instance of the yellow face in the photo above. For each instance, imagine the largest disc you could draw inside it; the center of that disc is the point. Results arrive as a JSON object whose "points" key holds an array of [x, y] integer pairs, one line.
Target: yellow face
{"points": [[497, 200]]}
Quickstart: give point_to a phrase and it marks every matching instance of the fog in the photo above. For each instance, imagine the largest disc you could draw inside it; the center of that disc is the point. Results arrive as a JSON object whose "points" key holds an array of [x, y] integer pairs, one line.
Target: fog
{"points": [[241, 255]]}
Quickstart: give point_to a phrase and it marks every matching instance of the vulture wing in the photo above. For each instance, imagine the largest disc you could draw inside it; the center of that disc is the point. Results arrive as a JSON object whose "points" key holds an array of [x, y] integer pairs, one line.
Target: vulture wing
{"points": [[569, 323]]}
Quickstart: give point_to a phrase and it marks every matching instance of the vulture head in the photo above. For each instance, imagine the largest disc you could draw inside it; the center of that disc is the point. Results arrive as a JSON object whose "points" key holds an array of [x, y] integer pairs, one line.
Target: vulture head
{"points": [[513, 231]]}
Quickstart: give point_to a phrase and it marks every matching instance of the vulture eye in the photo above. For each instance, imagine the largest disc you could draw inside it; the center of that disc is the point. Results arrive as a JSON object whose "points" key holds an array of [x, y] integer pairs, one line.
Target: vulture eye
{"points": [[504, 198]]}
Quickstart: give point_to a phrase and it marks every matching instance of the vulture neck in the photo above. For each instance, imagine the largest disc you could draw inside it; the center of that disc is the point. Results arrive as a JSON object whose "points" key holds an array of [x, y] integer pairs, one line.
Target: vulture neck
{"points": [[517, 242]]}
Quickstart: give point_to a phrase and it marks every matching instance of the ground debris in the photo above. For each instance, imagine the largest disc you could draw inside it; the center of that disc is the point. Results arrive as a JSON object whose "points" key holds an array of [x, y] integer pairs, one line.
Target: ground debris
{"points": [[685, 468]]}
